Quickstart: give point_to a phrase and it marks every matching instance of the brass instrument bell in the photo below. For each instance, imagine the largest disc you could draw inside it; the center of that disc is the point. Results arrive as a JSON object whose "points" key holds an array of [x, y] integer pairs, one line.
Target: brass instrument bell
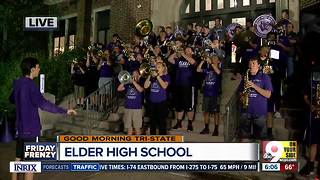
{"points": [[124, 77], [144, 27], [145, 70]]}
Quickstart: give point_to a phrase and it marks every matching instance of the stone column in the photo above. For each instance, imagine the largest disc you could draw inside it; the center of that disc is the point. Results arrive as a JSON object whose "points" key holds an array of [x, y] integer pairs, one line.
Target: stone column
{"points": [[280, 5], [294, 13], [165, 12], [83, 22]]}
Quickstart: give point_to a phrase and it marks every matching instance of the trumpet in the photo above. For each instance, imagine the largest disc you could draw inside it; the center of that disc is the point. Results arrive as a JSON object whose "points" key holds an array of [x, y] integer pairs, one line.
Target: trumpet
{"points": [[267, 69], [146, 70]]}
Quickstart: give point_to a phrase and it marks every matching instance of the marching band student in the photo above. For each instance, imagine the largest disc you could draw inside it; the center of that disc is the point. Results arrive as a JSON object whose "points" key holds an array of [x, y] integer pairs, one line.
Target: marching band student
{"points": [[184, 90], [258, 87], [133, 104], [211, 99], [158, 83], [105, 76], [267, 68]]}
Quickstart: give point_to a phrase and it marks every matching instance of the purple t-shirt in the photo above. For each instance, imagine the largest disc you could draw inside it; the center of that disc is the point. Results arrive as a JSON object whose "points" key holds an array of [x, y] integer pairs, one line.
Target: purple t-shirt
{"points": [[133, 97], [27, 98], [257, 102], [211, 83], [106, 70], [184, 72], [157, 93]]}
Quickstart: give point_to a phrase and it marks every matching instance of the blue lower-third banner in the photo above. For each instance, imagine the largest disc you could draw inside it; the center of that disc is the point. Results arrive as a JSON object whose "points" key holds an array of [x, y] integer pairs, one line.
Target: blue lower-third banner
{"points": [[149, 166]]}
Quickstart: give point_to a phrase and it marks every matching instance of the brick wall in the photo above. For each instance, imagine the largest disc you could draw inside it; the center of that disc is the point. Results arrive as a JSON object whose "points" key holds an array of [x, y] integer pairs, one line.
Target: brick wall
{"points": [[100, 3], [125, 14]]}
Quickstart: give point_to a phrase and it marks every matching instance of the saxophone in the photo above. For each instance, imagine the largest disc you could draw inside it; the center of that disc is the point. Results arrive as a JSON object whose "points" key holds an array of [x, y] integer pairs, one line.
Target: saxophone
{"points": [[246, 91]]}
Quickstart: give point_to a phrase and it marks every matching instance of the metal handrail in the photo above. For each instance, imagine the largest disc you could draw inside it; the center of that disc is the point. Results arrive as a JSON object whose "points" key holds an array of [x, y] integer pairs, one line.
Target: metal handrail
{"points": [[232, 118], [103, 100]]}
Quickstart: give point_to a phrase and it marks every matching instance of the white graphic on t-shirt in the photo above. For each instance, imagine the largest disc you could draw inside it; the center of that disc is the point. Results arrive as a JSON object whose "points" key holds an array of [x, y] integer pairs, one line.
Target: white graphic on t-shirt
{"points": [[253, 92], [155, 87], [132, 93], [210, 78], [184, 64]]}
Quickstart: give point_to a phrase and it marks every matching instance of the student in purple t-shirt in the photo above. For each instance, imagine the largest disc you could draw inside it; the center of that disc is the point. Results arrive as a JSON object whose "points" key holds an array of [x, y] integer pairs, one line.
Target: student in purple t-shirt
{"points": [[184, 90], [260, 89], [133, 104], [158, 107], [27, 98], [211, 95], [105, 79]]}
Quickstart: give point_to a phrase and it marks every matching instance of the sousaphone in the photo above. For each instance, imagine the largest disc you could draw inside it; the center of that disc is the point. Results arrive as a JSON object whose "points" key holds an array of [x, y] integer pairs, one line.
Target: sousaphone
{"points": [[144, 27]]}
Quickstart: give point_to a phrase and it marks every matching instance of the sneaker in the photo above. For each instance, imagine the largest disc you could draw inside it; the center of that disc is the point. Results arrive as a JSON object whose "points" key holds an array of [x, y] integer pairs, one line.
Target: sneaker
{"points": [[178, 125], [215, 133], [277, 115], [205, 131], [307, 169], [190, 128]]}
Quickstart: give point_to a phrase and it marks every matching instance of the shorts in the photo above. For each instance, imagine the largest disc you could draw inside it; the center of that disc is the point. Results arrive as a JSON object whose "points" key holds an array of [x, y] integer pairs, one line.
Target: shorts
{"points": [[78, 91], [105, 85], [252, 125], [211, 104], [20, 146], [312, 135], [184, 98], [133, 118]]}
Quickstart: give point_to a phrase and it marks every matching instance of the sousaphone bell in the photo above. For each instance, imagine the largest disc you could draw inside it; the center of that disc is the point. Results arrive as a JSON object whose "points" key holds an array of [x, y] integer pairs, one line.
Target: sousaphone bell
{"points": [[144, 27]]}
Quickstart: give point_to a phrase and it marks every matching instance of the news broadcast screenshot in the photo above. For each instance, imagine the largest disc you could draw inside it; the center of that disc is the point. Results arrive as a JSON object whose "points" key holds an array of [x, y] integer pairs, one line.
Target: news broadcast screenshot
{"points": [[159, 89]]}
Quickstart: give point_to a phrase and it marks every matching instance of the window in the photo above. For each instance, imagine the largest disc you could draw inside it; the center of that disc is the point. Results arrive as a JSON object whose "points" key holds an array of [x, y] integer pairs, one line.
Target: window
{"points": [[220, 4], [72, 33], [59, 40], [233, 3], [259, 1], [208, 5], [72, 43], [246, 3], [272, 1], [58, 45], [103, 24], [187, 9], [241, 21], [211, 24], [197, 6]]}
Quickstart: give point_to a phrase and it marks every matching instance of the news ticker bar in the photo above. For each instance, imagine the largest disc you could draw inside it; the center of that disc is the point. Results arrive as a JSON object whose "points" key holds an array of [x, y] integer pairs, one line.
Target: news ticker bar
{"points": [[38, 167]]}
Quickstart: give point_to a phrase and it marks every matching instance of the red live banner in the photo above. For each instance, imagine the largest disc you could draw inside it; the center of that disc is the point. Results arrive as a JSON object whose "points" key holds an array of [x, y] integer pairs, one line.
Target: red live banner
{"points": [[291, 167]]}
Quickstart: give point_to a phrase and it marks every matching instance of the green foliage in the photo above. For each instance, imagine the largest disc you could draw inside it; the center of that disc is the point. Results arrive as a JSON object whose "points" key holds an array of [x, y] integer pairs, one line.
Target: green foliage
{"points": [[56, 70]]}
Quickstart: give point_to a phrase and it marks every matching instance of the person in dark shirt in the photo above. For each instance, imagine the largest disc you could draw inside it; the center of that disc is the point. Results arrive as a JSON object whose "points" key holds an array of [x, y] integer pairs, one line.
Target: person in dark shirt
{"points": [[312, 134], [79, 81], [292, 37], [27, 98]]}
